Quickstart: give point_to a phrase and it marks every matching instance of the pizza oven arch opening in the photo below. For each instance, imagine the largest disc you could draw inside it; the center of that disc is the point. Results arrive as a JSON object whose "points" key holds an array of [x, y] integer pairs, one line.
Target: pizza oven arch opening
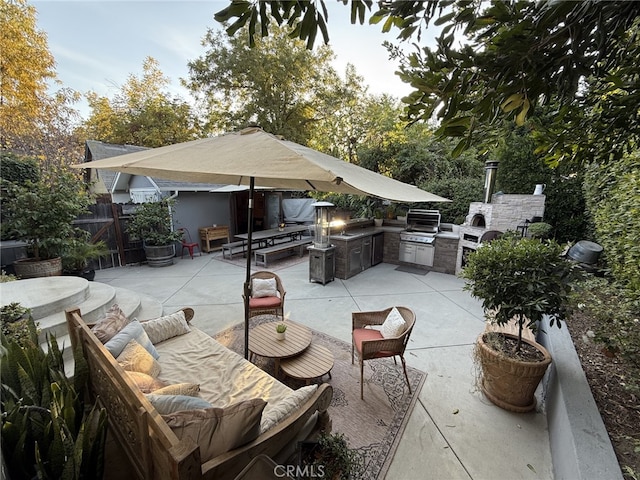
{"points": [[478, 221]]}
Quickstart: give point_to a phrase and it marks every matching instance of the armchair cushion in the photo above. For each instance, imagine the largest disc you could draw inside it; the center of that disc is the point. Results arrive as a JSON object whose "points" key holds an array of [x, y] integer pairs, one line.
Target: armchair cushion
{"points": [[362, 334], [264, 302], [264, 287], [394, 325]]}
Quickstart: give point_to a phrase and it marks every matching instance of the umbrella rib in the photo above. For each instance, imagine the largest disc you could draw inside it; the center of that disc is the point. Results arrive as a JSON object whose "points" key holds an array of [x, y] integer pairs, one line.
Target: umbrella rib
{"points": [[313, 187]]}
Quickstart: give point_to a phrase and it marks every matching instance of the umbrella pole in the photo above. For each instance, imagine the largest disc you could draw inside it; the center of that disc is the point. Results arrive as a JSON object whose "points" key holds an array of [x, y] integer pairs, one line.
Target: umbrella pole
{"points": [[247, 286]]}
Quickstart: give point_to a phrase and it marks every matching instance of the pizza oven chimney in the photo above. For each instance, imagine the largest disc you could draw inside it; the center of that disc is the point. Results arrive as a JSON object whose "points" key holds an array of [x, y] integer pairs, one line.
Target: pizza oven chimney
{"points": [[490, 169]]}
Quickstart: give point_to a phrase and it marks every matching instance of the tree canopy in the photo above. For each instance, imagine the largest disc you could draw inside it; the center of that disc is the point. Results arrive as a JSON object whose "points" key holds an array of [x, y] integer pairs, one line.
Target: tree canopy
{"points": [[33, 121], [501, 59], [142, 113], [278, 85]]}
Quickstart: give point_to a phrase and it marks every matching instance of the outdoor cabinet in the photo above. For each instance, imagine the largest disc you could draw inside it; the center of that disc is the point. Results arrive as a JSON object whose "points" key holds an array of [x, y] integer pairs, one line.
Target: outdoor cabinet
{"points": [[322, 264], [377, 248], [354, 258], [219, 234]]}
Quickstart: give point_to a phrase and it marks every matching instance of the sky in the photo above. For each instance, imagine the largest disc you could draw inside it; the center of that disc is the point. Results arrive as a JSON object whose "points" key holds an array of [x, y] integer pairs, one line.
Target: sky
{"points": [[98, 44]]}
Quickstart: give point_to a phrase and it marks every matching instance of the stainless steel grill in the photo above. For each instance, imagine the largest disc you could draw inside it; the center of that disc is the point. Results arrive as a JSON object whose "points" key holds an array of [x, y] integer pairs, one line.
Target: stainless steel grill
{"points": [[416, 242], [423, 221]]}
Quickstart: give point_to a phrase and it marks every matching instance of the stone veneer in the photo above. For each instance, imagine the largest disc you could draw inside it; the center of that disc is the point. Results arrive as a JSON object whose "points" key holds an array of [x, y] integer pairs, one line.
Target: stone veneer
{"points": [[505, 212]]}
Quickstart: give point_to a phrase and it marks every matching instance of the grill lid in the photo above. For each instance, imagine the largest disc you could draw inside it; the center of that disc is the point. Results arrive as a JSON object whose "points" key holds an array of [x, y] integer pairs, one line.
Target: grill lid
{"points": [[421, 220]]}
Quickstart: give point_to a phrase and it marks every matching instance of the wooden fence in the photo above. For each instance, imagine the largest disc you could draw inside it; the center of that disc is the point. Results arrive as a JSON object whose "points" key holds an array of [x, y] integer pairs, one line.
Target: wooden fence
{"points": [[107, 222]]}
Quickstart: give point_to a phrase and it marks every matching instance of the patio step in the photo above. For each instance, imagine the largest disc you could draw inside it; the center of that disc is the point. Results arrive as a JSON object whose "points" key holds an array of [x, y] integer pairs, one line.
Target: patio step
{"points": [[49, 297]]}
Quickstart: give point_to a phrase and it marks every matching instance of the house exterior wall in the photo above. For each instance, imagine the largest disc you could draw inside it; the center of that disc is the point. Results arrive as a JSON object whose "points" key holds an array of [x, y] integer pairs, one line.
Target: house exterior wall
{"points": [[194, 210]]}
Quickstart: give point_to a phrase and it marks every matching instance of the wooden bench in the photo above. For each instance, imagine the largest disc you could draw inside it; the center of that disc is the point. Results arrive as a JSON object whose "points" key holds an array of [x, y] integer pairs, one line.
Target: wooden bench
{"points": [[283, 249], [232, 248]]}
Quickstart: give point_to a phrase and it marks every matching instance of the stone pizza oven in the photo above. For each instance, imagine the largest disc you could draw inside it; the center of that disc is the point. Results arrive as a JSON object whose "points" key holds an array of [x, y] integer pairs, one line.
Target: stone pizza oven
{"points": [[498, 213]]}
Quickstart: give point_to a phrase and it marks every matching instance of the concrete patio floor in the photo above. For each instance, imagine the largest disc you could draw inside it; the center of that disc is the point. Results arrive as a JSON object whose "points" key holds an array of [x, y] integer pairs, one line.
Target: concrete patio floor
{"points": [[453, 432]]}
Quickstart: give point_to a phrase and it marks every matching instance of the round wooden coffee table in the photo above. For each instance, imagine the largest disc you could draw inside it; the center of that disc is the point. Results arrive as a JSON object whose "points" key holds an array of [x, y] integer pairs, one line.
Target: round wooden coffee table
{"points": [[263, 342], [315, 362]]}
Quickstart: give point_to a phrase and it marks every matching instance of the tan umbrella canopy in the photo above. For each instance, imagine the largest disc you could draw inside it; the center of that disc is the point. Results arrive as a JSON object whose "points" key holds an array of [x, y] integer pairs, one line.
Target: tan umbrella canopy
{"points": [[254, 157], [234, 158]]}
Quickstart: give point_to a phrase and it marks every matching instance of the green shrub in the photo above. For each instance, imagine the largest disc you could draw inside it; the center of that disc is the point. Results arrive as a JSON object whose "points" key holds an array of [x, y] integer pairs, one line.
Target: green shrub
{"points": [[613, 197], [18, 170], [618, 319], [539, 230], [152, 222]]}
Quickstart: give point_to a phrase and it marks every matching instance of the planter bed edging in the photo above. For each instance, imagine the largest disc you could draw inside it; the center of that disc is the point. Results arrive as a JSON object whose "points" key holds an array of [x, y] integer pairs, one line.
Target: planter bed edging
{"points": [[579, 442]]}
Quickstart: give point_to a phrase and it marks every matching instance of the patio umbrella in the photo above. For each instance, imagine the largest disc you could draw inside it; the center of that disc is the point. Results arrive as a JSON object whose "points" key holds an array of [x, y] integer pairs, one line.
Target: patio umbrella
{"points": [[253, 157]]}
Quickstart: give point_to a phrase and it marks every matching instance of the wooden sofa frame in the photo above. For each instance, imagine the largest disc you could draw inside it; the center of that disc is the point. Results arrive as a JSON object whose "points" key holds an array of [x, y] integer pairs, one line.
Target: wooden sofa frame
{"points": [[150, 446]]}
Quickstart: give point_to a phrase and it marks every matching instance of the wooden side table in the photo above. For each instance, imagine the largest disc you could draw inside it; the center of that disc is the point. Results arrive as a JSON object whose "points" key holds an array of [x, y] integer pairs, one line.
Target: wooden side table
{"points": [[263, 342], [315, 362], [211, 234]]}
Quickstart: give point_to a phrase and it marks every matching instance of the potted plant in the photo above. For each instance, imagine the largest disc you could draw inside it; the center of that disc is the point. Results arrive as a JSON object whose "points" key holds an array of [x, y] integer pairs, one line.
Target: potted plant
{"points": [[377, 217], [281, 328], [329, 457], [41, 214], [78, 253], [518, 280], [152, 224]]}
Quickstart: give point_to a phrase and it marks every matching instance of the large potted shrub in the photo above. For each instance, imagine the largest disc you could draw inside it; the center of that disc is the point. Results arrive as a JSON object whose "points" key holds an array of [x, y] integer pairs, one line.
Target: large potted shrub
{"points": [[41, 214], [79, 252], [152, 224], [518, 280]]}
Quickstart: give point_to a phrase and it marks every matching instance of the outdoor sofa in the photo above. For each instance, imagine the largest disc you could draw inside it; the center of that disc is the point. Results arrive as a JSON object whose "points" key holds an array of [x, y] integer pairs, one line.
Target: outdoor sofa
{"points": [[252, 413]]}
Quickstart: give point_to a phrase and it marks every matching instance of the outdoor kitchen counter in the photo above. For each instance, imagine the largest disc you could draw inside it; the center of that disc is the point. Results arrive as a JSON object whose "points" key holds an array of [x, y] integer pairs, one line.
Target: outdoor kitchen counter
{"points": [[355, 249]]}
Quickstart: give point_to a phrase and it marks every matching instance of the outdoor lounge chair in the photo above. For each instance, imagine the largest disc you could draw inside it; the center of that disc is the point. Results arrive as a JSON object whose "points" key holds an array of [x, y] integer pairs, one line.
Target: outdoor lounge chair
{"points": [[267, 294], [372, 343]]}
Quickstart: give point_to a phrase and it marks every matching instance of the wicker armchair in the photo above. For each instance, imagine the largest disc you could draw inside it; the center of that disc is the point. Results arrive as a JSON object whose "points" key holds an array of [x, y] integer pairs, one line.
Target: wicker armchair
{"points": [[271, 304], [369, 343]]}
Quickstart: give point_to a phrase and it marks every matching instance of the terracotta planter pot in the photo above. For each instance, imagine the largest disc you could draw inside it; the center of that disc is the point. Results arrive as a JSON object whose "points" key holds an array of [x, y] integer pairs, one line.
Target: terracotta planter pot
{"points": [[510, 383], [161, 256], [30, 268]]}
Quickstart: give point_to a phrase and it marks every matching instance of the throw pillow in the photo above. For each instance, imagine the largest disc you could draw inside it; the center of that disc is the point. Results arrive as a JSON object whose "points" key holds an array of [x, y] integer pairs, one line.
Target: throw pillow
{"points": [[146, 383], [132, 331], [218, 430], [264, 287], [168, 404], [163, 328], [278, 411], [188, 389], [135, 358], [394, 325], [114, 321]]}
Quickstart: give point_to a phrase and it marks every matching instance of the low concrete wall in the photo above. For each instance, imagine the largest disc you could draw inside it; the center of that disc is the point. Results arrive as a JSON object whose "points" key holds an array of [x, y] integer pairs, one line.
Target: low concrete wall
{"points": [[580, 445]]}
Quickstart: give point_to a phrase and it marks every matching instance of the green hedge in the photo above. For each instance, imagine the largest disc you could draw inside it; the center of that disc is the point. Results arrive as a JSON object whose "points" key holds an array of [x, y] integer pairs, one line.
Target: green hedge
{"points": [[613, 198]]}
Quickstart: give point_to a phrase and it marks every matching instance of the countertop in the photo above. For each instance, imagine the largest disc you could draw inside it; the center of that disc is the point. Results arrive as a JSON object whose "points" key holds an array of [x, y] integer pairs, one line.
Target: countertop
{"points": [[358, 233]]}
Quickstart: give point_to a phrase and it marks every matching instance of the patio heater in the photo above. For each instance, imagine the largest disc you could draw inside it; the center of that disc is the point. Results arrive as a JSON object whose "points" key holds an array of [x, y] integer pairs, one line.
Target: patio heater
{"points": [[322, 253]]}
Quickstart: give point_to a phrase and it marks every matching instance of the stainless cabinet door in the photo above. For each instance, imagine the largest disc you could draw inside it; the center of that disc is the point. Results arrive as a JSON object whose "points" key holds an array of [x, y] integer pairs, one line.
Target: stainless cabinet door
{"points": [[424, 255], [407, 252]]}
